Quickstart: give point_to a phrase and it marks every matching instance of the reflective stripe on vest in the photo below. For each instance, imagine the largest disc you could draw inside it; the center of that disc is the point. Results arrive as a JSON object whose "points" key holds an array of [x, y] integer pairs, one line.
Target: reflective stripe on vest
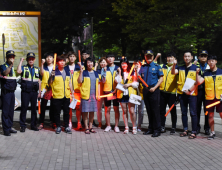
{"points": [[169, 83], [30, 78], [13, 77]]}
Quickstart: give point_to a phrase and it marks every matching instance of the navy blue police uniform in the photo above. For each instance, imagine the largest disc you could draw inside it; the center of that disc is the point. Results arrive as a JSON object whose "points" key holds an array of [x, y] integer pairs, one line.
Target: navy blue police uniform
{"points": [[201, 98], [8, 87], [29, 86], [151, 73]]}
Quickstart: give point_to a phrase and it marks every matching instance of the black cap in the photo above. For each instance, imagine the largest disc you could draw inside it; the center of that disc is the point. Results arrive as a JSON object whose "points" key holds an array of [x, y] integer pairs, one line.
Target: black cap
{"points": [[10, 52], [204, 52], [148, 52], [31, 54]]}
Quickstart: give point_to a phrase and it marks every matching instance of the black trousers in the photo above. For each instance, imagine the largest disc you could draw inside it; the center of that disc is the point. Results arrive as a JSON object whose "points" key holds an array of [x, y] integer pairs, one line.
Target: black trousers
{"points": [[27, 97], [168, 99], [200, 100], [8, 104], [57, 105], [43, 108], [152, 102]]}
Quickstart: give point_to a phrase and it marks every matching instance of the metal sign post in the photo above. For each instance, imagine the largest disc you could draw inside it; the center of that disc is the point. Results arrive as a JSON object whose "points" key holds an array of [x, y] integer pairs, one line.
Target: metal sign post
{"points": [[3, 43]]}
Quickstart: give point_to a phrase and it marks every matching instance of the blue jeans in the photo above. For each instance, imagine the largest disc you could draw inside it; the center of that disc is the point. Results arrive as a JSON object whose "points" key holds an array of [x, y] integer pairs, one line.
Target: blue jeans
{"points": [[192, 101]]}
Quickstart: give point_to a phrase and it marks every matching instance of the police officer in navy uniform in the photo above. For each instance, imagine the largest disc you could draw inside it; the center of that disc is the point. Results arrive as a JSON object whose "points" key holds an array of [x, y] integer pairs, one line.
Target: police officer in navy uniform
{"points": [[8, 85], [201, 92], [30, 86], [152, 74]]}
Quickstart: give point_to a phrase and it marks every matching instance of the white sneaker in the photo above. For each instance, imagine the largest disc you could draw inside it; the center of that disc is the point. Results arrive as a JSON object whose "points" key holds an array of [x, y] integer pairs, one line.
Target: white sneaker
{"points": [[116, 129], [139, 130], [108, 128]]}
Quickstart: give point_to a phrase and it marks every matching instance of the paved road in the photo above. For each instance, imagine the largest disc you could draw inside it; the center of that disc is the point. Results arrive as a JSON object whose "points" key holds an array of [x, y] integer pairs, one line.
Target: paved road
{"points": [[46, 150]]}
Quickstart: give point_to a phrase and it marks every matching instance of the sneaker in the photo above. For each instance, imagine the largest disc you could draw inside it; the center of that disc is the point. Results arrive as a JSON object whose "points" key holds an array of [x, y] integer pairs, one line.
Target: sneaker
{"points": [[172, 131], [139, 130], [162, 130], [212, 136], [116, 129], [58, 130], [108, 128], [68, 130]]}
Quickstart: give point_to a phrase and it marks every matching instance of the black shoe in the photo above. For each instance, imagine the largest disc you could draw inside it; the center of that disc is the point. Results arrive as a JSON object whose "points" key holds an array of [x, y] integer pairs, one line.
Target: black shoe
{"points": [[34, 128], [68, 130], [58, 130], [148, 132], [12, 131], [172, 131], [212, 136], [198, 131], [22, 129], [156, 134], [7, 133], [163, 130], [207, 132]]}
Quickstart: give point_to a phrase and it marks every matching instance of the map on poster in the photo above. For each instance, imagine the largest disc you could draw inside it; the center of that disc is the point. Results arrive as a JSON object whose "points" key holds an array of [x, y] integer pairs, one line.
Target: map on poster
{"points": [[21, 36]]}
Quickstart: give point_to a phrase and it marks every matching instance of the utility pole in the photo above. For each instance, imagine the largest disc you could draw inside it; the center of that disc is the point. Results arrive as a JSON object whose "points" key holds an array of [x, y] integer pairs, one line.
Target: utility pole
{"points": [[3, 43], [92, 37]]}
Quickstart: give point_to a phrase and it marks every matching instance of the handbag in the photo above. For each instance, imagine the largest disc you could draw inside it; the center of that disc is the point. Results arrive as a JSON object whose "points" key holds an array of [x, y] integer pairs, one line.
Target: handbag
{"points": [[135, 99]]}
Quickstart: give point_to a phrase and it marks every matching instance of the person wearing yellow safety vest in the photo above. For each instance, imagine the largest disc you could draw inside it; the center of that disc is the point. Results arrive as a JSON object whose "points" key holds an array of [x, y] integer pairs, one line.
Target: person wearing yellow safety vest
{"points": [[201, 92], [168, 93], [61, 89], [102, 62], [213, 91], [187, 96], [45, 71], [108, 75], [8, 87], [130, 88], [89, 80], [74, 71], [30, 86]]}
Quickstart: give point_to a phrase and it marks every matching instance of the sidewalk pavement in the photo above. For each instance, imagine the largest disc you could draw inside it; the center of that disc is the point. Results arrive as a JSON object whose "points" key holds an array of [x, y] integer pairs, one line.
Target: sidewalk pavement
{"points": [[104, 151]]}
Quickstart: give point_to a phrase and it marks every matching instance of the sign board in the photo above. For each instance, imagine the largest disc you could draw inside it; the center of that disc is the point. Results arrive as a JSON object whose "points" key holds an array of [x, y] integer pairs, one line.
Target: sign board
{"points": [[22, 31]]}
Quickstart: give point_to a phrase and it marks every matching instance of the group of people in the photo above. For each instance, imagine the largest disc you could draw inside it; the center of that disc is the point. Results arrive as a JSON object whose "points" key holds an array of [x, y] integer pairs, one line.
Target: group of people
{"points": [[93, 85]]}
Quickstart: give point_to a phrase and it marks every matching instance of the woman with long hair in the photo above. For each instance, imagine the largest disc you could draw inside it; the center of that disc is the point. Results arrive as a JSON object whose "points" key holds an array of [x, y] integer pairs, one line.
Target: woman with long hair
{"points": [[130, 87]]}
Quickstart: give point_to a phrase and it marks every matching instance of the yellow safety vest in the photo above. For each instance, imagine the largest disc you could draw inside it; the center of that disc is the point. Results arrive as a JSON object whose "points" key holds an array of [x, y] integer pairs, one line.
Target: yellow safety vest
{"points": [[45, 78], [130, 89], [110, 84], [60, 88], [213, 89], [181, 79], [85, 86], [169, 83]]}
